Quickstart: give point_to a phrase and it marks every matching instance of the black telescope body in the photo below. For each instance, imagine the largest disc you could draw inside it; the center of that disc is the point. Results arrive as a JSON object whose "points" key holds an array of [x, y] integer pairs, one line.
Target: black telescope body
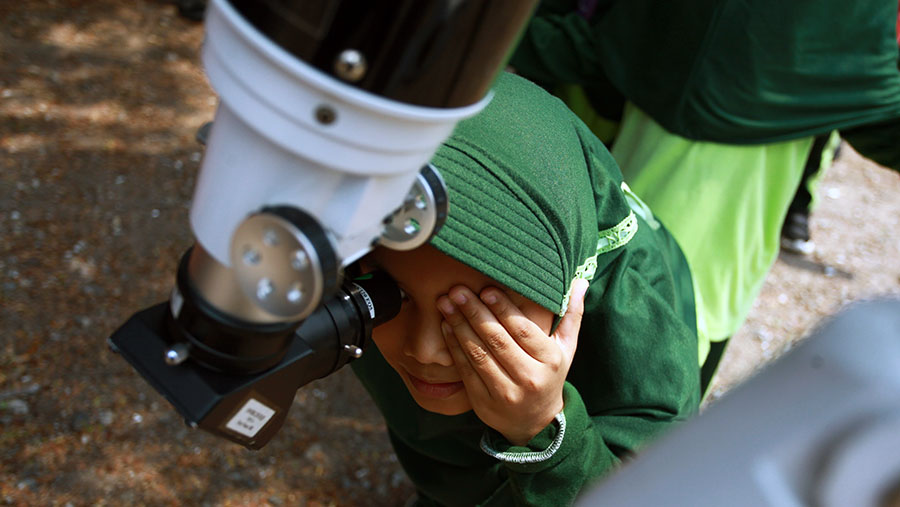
{"points": [[433, 53]]}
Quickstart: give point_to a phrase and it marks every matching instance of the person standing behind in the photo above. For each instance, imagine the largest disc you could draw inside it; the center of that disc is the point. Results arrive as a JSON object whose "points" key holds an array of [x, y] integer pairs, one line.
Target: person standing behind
{"points": [[724, 99]]}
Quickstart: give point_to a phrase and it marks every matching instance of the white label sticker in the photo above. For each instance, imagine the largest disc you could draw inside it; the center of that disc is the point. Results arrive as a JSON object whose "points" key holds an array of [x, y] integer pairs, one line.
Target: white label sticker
{"points": [[250, 418]]}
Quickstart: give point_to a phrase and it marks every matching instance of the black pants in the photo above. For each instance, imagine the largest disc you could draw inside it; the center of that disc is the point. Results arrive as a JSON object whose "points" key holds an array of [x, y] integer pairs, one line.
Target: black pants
{"points": [[716, 351], [803, 198]]}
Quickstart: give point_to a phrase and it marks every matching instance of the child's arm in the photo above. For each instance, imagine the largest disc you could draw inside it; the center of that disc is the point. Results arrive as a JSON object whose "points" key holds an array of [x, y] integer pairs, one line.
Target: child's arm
{"points": [[636, 378], [558, 48]]}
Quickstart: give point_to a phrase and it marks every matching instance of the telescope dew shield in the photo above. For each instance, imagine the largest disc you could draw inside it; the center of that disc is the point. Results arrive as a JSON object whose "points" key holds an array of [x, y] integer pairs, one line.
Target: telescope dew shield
{"points": [[432, 53]]}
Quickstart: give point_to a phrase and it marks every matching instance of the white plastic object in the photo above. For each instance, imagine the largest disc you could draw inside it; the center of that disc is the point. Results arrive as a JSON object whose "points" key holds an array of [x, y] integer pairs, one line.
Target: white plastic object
{"points": [[268, 146]]}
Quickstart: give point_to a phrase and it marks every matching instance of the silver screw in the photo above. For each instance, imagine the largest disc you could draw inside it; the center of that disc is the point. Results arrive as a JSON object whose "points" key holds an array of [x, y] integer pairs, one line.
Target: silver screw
{"points": [[251, 257], [270, 237], [411, 226], [300, 260], [353, 350], [263, 288], [295, 294], [177, 354], [350, 65]]}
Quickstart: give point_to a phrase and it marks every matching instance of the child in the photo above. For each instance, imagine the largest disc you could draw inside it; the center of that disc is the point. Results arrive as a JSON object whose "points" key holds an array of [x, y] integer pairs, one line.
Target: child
{"points": [[500, 381]]}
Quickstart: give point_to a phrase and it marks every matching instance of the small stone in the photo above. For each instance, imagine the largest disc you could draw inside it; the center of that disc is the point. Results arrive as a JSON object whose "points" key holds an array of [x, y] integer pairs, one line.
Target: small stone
{"points": [[397, 478], [137, 418], [314, 452], [107, 417], [17, 407], [26, 484], [829, 271], [782, 298]]}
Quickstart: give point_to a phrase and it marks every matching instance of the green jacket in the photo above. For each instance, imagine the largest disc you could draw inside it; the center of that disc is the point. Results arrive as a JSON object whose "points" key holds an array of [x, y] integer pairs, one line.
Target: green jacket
{"points": [[730, 71], [635, 371]]}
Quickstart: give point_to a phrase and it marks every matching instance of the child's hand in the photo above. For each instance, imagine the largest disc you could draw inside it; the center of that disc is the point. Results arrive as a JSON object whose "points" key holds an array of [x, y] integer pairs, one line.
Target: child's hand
{"points": [[513, 371]]}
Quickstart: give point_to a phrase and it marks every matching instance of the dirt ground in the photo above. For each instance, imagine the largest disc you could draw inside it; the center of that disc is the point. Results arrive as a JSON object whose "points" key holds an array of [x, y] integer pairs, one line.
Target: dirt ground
{"points": [[99, 105]]}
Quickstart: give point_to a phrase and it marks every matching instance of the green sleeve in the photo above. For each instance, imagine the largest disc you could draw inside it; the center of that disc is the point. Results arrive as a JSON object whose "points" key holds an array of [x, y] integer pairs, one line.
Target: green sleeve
{"points": [[558, 48], [578, 455]]}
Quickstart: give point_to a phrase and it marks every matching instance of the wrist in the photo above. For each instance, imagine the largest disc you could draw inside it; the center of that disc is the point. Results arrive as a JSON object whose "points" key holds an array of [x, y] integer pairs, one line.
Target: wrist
{"points": [[542, 448], [521, 435]]}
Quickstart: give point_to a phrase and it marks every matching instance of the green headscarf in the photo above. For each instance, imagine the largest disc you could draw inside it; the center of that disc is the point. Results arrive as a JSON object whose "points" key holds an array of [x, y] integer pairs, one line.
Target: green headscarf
{"points": [[535, 198]]}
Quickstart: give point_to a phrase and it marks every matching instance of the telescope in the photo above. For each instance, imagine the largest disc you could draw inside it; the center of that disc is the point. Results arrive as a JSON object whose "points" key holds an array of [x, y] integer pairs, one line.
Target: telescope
{"points": [[329, 113]]}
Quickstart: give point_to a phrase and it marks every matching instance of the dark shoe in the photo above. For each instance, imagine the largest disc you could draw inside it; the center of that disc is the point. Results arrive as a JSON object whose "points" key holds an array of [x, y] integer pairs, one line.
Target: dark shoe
{"points": [[795, 234]]}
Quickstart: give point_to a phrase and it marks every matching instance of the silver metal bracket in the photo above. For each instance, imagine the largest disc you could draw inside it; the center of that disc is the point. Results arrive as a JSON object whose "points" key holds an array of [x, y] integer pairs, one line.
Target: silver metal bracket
{"points": [[284, 265], [422, 214]]}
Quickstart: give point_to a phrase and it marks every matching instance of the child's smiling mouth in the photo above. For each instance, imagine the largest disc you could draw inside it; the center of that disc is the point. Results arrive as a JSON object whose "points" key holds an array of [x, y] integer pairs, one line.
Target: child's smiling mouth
{"points": [[437, 390]]}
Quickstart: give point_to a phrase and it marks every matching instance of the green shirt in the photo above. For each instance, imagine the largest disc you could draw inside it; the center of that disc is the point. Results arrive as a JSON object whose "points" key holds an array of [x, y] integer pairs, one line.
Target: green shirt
{"points": [[728, 71]]}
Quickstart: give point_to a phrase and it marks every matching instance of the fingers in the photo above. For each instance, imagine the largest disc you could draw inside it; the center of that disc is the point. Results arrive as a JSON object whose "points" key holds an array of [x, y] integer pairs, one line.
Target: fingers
{"points": [[527, 334], [513, 371], [475, 385], [487, 346], [567, 331]]}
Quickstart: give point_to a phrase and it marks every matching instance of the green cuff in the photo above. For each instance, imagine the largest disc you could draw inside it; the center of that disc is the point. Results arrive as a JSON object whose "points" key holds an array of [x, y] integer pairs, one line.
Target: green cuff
{"points": [[535, 451], [549, 446]]}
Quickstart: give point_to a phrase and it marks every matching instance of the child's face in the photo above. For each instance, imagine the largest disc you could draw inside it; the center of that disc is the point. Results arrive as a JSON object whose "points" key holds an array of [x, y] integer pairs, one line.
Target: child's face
{"points": [[412, 343]]}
